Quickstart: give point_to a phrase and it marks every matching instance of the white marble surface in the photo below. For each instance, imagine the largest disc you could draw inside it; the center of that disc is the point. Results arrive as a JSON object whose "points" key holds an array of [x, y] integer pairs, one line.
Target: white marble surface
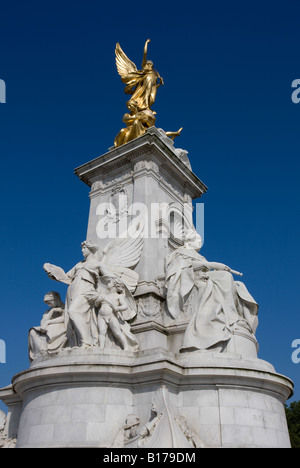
{"points": [[82, 398]]}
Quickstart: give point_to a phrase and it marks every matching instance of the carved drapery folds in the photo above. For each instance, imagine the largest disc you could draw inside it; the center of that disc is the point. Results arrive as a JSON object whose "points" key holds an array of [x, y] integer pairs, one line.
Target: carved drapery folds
{"points": [[147, 193], [5, 440], [164, 428], [217, 305], [99, 302]]}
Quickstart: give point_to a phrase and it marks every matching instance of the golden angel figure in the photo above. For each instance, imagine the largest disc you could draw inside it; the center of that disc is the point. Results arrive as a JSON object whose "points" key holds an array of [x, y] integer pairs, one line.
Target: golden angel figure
{"points": [[141, 84]]}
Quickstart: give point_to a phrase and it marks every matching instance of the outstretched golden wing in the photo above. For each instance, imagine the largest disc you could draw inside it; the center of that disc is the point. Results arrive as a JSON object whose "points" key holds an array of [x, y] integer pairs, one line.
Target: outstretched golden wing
{"points": [[125, 66]]}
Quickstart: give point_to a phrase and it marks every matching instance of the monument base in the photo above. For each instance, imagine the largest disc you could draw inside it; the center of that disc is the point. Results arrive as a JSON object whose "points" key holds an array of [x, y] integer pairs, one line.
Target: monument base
{"points": [[151, 398], [157, 397]]}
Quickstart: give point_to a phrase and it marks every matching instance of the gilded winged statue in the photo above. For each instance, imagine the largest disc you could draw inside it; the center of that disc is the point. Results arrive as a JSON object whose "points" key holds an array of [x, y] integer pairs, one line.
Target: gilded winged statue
{"points": [[142, 85]]}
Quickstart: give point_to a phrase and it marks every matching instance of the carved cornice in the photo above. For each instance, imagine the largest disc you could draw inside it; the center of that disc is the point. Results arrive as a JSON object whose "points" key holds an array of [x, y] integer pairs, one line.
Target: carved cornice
{"points": [[151, 148], [106, 185]]}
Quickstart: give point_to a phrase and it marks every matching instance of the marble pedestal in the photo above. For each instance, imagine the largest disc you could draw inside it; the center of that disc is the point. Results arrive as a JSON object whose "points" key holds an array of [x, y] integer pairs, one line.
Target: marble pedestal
{"points": [[225, 397], [82, 399]]}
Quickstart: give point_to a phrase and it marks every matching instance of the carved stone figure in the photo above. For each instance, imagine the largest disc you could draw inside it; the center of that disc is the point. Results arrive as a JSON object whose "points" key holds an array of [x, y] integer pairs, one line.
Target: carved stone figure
{"points": [[51, 335], [117, 259], [164, 429], [2, 424], [128, 433], [181, 153], [5, 442], [114, 308], [217, 303], [148, 430], [189, 433], [148, 306], [82, 279]]}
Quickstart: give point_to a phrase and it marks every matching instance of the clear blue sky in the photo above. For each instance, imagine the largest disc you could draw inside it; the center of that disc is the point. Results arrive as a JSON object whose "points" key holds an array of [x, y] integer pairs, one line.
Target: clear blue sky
{"points": [[228, 68]]}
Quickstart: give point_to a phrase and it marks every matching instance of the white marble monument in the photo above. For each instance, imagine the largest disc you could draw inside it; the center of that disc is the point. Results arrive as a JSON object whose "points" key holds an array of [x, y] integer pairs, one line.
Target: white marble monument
{"points": [[154, 346]]}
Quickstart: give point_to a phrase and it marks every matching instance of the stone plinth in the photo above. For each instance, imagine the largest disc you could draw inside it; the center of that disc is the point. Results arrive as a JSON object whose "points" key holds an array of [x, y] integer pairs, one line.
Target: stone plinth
{"points": [[82, 399], [147, 177], [165, 391]]}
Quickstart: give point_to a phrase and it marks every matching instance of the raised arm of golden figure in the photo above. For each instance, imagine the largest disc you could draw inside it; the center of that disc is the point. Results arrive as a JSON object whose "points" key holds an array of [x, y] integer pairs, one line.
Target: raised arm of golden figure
{"points": [[145, 53]]}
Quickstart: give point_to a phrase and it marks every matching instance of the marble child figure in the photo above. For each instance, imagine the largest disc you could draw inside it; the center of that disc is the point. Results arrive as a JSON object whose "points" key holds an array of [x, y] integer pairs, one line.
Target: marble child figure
{"points": [[113, 311]]}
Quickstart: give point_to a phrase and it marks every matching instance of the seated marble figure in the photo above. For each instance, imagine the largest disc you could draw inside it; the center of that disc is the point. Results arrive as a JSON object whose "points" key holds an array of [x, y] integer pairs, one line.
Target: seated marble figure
{"points": [[217, 304], [51, 335]]}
